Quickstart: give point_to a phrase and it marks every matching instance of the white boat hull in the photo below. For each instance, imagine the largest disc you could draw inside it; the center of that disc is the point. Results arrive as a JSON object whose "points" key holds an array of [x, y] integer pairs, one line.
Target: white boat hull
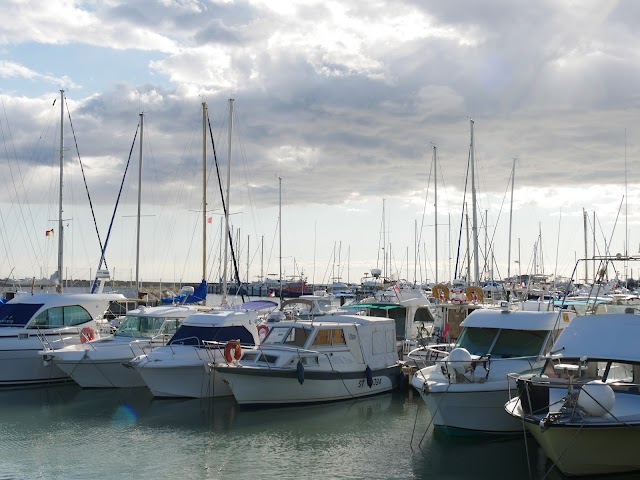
{"points": [[24, 366], [195, 380], [102, 373], [258, 386], [479, 411], [182, 371]]}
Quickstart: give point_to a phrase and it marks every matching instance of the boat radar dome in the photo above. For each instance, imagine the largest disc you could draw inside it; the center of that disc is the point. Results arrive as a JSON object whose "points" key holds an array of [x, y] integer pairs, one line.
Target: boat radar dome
{"points": [[596, 398], [376, 272], [460, 360]]}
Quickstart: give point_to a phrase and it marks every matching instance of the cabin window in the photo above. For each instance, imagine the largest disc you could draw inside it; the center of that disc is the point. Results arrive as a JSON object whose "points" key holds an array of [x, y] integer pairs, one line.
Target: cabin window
{"points": [[61, 317], [338, 336], [477, 341], [297, 337], [518, 343], [619, 372], [271, 359], [423, 314], [333, 336], [249, 356], [170, 326], [323, 337], [287, 335]]}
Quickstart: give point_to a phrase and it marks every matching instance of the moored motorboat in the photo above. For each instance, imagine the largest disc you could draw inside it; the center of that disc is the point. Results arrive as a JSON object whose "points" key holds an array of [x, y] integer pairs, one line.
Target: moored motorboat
{"points": [[583, 406], [102, 363], [181, 368], [334, 357], [29, 323], [467, 390]]}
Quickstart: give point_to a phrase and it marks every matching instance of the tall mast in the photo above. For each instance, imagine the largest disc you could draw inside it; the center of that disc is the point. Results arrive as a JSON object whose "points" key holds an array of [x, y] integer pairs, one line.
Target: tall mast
{"points": [[384, 243], [226, 213], [513, 178], [280, 232], [60, 228], [435, 185], [476, 260], [204, 190], [139, 204], [586, 253]]}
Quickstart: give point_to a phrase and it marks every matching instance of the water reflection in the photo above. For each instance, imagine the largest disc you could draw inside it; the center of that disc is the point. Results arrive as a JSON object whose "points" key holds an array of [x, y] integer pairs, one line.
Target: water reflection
{"points": [[67, 432]]}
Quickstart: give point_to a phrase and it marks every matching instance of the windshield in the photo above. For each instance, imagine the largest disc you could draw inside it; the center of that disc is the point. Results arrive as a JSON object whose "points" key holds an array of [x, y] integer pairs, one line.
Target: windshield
{"points": [[293, 336], [146, 327], [509, 343], [477, 340]]}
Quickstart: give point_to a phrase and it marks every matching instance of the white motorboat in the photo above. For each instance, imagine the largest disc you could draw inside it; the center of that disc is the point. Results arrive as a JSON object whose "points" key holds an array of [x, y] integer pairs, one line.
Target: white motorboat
{"points": [[334, 357], [102, 363], [467, 390], [583, 406], [50, 320], [181, 368]]}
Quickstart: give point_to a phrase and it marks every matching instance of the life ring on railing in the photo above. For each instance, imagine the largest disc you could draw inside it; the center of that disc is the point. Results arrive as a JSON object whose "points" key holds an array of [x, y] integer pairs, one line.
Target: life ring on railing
{"points": [[440, 291], [87, 334], [232, 350], [475, 294], [262, 331]]}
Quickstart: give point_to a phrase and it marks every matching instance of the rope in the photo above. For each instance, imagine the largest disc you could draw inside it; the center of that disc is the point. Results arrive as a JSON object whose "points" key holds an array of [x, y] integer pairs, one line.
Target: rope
{"points": [[224, 209], [84, 178], [113, 216]]}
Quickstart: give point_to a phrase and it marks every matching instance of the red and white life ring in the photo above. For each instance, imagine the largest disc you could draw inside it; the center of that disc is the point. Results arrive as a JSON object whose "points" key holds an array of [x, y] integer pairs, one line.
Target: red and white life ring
{"points": [[262, 331], [232, 350], [87, 334]]}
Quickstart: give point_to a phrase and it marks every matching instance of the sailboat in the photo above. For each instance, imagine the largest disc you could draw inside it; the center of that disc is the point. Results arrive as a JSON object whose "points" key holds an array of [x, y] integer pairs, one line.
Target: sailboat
{"points": [[181, 368], [53, 320]]}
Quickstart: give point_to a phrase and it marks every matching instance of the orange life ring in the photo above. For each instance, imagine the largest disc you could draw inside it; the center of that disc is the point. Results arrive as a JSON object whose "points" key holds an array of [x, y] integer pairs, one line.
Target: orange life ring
{"points": [[440, 291], [262, 331], [232, 350], [475, 294], [87, 334]]}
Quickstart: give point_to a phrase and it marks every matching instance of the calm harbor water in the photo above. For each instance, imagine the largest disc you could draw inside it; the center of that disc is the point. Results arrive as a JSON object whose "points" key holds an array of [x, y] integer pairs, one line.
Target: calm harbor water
{"points": [[65, 432]]}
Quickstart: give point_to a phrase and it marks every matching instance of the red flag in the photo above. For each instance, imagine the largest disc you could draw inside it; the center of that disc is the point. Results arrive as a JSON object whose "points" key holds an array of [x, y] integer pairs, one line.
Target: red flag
{"points": [[210, 219], [446, 330]]}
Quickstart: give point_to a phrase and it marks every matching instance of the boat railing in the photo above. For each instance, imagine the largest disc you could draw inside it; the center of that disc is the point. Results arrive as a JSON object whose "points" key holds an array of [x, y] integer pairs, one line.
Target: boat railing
{"points": [[426, 355], [451, 368], [143, 347], [48, 340]]}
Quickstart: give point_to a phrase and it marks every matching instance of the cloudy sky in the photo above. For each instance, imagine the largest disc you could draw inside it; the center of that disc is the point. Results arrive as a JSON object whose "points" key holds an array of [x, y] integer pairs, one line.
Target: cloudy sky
{"points": [[344, 101]]}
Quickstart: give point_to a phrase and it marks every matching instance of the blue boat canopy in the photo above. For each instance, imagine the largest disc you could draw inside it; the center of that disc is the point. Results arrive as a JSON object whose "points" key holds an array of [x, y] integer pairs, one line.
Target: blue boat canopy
{"points": [[199, 294]]}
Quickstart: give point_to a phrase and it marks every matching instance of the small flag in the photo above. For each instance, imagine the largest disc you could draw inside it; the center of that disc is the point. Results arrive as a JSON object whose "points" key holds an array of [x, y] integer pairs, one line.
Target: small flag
{"points": [[210, 219], [396, 288], [446, 330], [49, 233]]}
